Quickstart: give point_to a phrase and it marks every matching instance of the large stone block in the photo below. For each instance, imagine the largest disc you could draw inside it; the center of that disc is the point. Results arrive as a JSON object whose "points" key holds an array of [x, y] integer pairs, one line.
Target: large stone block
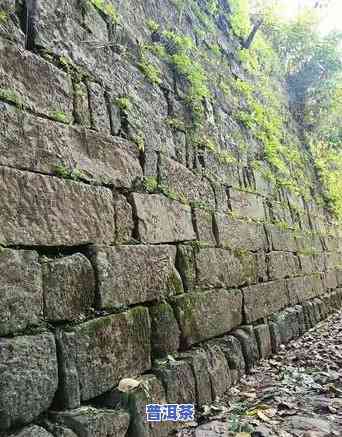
{"points": [[9, 28], [185, 184], [304, 288], [29, 81], [135, 274], [36, 144], [239, 235], [165, 332], [47, 211], [124, 224], [28, 378], [178, 380], [109, 349], [246, 337], [262, 300], [161, 220], [329, 280], [149, 391], [91, 422], [21, 292], [246, 204], [231, 348], [281, 239], [203, 223], [198, 359], [282, 265], [263, 338], [203, 315], [219, 372], [69, 287], [33, 431], [224, 268], [306, 264]]}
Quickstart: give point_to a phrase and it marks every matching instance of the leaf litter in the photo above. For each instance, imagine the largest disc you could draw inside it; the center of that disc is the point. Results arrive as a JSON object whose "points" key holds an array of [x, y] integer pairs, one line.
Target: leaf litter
{"points": [[296, 393]]}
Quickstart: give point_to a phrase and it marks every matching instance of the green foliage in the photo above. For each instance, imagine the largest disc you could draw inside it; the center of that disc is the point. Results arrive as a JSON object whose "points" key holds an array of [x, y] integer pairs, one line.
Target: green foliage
{"points": [[150, 184], [152, 25], [152, 72], [67, 173], [107, 9], [61, 116], [139, 139], [3, 16], [124, 103], [240, 18]]}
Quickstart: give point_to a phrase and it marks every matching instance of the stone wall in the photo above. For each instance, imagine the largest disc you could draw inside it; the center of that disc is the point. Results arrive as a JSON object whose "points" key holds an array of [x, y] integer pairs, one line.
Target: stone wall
{"points": [[126, 250]]}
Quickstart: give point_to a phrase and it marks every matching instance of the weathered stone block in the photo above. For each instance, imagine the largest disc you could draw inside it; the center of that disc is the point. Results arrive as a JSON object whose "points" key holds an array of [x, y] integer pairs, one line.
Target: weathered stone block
{"points": [[178, 380], [185, 184], [135, 274], [186, 265], [203, 223], [246, 204], [231, 348], [124, 224], [249, 346], [10, 28], [109, 349], [81, 105], [91, 422], [275, 336], [281, 239], [29, 81], [28, 378], [262, 300], [319, 262], [161, 220], [149, 391], [46, 211], [69, 287], [282, 265], [339, 277], [306, 264], [32, 431], [302, 288], [203, 315], [223, 268], [68, 393], [40, 145], [21, 292], [165, 332], [329, 280], [238, 235], [198, 359], [99, 114], [263, 338], [219, 372]]}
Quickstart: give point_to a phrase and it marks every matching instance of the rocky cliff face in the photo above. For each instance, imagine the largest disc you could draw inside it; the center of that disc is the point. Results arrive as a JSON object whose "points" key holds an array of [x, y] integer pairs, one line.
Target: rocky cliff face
{"points": [[141, 217]]}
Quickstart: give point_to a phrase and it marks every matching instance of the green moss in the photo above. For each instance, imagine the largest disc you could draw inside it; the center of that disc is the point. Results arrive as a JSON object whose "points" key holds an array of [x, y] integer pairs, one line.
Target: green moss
{"points": [[152, 72], [61, 116], [11, 96], [3, 16], [139, 140], [124, 103], [67, 173], [152, 25], [175, 284], [107, 9], [150, 184]]}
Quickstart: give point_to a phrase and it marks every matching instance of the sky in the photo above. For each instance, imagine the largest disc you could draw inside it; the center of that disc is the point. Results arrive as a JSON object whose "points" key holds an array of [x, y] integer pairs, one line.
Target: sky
{"points": [[332, 15]]}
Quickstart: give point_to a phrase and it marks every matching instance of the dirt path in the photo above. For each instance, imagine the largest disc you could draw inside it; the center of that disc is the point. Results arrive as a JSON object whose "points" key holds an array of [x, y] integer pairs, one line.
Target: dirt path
{"points": [[295, 393]]}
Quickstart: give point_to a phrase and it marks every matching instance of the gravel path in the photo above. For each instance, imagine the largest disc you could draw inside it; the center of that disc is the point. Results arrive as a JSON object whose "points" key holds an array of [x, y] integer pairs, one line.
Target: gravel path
{"points": [[295, 393]]}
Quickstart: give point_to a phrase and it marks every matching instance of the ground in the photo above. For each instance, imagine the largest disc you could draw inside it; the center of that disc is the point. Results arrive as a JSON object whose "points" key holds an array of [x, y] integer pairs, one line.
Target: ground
{"points": [[295, 393]]}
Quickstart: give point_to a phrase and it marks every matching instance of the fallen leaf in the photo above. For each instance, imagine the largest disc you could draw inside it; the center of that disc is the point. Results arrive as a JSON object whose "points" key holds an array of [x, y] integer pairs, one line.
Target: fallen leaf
{"points": [[128, 384]]}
